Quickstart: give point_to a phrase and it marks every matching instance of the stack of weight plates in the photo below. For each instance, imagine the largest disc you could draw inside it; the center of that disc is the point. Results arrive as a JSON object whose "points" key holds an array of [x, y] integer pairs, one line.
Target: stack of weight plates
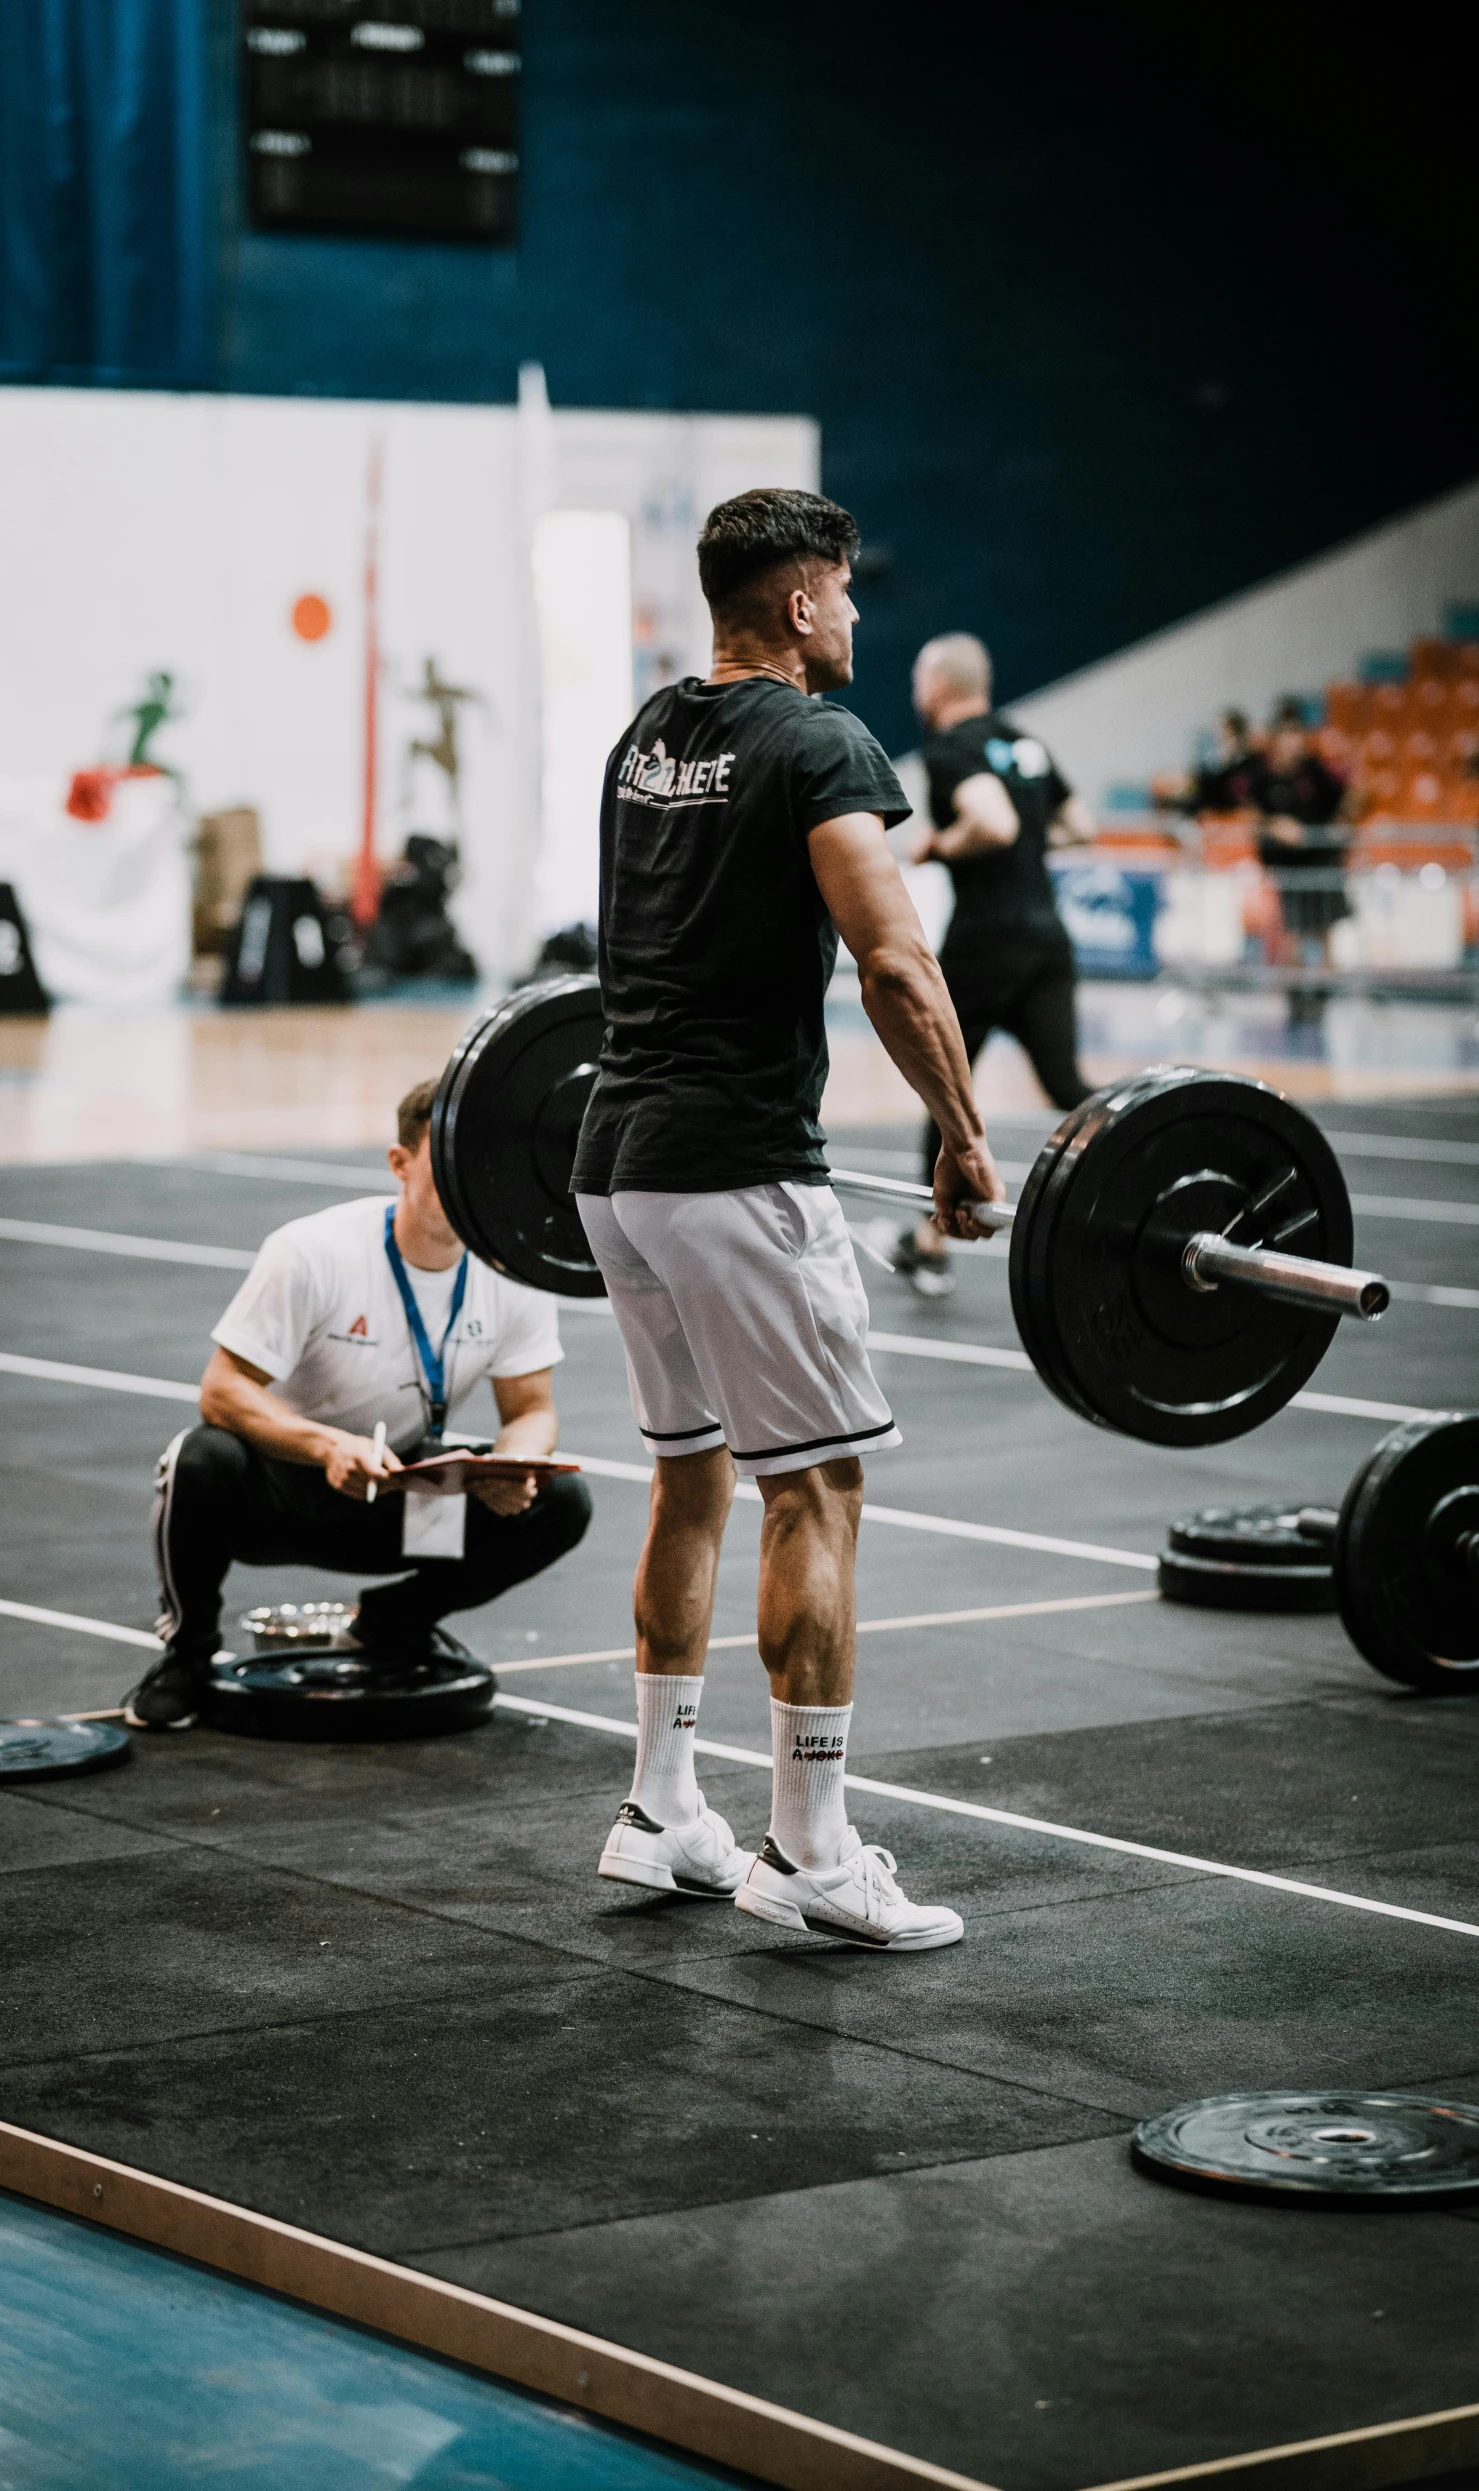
{"points": [[1249, 1557]]}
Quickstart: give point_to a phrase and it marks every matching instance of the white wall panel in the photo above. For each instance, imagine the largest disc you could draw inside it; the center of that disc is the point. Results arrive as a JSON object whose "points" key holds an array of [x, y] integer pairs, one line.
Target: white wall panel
{"points": [[141, 530]]}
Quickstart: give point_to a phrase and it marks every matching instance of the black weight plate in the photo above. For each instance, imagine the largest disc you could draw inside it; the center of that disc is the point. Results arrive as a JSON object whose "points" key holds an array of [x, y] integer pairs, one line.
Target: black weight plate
{"points": [[332, 1695], [1172, 1151], [504, 1125], [42, 1751], [1363, 2146], [1027, 1255], [1220, 1583], [1406, 1601], [1247, 1535]]}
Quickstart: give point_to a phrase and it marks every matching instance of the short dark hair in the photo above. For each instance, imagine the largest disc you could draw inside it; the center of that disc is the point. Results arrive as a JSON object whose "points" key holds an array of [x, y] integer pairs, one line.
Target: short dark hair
{"points": [[758, 531], [414, 1113]]}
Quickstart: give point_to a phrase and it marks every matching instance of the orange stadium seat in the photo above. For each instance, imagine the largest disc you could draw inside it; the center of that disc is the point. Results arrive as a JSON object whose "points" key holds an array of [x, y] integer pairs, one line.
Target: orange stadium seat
{"points": [[1348, 707], [1433, 660], [1389, 703]]}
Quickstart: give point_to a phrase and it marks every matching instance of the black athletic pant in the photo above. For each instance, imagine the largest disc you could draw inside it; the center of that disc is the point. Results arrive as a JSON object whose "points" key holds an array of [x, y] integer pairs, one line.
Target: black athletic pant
{"points": [[1027, 991], [219, 1502]]}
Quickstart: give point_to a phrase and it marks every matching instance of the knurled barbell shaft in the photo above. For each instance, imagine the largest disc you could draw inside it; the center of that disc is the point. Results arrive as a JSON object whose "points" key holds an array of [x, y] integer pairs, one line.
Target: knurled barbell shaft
{"points": [[1207, 1262], [895, 1190]]}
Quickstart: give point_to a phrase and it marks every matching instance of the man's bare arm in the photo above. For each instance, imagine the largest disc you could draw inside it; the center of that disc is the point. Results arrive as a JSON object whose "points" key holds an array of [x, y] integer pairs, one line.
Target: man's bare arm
{"points": [[905, 997], [526, 1408], [985, 818], [1073, 825], [237, 1396]]}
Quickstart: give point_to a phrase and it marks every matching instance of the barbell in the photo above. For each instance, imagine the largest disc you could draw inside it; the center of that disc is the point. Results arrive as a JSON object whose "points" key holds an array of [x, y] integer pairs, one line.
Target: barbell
{"points": [[1153, 1277]]}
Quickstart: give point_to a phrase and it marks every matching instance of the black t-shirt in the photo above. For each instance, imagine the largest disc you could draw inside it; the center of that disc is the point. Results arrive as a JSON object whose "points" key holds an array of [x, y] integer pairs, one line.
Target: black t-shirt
{"points": [[716, 949], [1003, 891], [1308, 793], [1227, 787]]}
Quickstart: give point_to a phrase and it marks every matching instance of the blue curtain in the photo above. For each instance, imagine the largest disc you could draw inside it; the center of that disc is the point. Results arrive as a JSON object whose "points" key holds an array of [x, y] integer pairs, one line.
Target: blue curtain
{"points": [[106, 209]]}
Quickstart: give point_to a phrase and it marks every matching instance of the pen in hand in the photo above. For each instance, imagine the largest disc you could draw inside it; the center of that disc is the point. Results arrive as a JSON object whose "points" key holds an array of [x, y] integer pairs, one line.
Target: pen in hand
{"points": [[370, 1491]]}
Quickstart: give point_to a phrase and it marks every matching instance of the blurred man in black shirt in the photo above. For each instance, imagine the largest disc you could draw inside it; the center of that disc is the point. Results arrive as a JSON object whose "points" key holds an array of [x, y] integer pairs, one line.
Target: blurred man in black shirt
{"points": [[1222, 785], [1302, 842], [998, 803]]}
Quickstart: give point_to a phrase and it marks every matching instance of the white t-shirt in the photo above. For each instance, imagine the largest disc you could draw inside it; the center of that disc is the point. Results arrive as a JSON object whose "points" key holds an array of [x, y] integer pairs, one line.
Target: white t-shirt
{"points": [[320, 1313]]}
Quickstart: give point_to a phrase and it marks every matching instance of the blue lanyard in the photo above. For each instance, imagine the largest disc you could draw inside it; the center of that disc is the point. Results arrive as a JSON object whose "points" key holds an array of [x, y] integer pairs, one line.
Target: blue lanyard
{"points": [[431, 1359]]}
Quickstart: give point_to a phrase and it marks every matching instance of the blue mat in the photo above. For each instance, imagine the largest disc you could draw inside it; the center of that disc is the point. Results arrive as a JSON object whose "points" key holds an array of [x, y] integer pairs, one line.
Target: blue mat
{"points": [[127, 2368]]}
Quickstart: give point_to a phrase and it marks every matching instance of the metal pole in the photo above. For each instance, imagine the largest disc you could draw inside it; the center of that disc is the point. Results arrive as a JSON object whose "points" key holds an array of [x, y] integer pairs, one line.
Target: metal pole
{"points": [[1209, 1260], [1206, 1262], [895, 1191]]}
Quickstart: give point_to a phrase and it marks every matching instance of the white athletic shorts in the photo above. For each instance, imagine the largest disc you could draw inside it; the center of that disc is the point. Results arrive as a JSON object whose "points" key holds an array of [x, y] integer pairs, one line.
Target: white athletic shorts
{"points": [[744, 1322]]}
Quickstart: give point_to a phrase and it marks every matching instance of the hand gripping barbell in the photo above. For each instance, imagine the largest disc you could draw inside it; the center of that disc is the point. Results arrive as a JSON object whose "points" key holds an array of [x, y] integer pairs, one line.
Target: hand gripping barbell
{"points": [[1153, 1269]]}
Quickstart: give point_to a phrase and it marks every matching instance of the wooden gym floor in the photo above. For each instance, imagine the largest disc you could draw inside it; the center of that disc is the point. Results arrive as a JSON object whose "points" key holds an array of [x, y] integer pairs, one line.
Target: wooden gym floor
{"points": [[101, 1084], [379, 1995]]}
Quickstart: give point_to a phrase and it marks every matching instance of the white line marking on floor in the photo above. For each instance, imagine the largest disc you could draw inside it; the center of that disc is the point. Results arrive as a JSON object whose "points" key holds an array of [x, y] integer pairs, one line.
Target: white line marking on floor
{"points": [[157, 1388], [865, 1626], [105, 1379], [1404, 1207], [368, 1178], [855, 1781], [111, 1241], [995, 1534], [900, 1344], [104, 1628], [1403, 1146], [79, 1625], [961, 1353], [1343, 1405], [1021, 1824], [977, 1354]]}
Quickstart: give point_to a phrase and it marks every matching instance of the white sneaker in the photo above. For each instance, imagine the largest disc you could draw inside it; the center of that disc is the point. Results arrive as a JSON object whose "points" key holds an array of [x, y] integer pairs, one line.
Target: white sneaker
{"points": [[701, 1857], [858, 1900]]}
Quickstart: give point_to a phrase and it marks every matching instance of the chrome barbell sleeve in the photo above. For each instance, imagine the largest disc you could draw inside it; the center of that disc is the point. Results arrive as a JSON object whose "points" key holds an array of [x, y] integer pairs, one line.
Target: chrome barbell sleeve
{"points": [[1207, 1261]]}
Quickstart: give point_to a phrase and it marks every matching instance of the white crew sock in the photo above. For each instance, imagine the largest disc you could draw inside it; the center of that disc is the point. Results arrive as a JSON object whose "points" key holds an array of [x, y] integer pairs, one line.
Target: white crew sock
{"points": [[808, 1809], [663, 1784]]}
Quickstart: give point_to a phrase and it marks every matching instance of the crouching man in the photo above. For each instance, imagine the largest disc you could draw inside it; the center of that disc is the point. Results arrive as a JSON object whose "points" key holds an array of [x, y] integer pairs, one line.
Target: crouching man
{"points": [[365, 1313]]}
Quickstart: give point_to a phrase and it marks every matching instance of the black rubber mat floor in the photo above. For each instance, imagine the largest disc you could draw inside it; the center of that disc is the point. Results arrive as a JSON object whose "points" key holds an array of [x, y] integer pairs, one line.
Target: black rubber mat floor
{"points": [[380, 1993]]}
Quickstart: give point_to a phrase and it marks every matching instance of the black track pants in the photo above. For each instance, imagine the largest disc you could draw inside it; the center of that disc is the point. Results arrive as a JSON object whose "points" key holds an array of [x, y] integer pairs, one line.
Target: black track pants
{"points": [[219, 1502], [1027, 991]]}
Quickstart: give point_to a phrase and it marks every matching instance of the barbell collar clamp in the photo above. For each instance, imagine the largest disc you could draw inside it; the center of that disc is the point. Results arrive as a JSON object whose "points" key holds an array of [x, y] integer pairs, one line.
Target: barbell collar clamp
{"points": [[1207, 1261]]}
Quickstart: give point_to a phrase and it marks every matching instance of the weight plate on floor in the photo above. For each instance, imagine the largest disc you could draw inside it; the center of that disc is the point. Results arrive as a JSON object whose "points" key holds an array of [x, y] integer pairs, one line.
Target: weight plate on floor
{"points": [[504, 1125], [1409, 1598], [42, 1751], [334, 1695], [1227, 1583], [1098, 1259], [1341, 2145], [1249, 1535]]}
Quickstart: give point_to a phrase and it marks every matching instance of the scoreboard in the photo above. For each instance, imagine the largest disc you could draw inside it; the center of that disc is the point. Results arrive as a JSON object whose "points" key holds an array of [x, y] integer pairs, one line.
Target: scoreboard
{"points": [[383, 117]]}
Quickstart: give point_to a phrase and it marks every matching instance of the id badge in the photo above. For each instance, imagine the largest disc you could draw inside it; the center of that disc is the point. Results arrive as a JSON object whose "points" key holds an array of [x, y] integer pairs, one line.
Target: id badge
{"points": [[433, 1526]]}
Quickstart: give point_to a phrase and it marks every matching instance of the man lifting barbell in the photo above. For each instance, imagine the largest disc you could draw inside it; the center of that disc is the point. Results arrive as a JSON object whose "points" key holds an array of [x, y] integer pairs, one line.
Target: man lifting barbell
{"points": [[1153, 1271], [742, 830], [368, 1312]]}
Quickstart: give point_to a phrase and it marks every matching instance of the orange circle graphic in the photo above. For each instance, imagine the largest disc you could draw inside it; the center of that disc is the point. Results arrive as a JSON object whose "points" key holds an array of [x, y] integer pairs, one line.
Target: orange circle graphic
{"points": [[312, 617]]}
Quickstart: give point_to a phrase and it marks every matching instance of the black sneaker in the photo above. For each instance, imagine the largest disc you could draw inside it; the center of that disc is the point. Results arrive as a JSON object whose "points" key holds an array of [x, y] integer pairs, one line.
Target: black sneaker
{"points": [[168, 1696]]}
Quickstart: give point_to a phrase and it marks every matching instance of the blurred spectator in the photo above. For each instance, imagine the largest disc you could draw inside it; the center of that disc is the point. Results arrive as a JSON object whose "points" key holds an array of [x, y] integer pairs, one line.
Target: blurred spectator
{"points": [[1222, 785], [1302, 836]]}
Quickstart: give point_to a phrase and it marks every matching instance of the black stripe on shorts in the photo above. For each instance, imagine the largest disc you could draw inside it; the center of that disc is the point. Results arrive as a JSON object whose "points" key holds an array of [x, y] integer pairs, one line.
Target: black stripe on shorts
{"points": [[813, 1444]]}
